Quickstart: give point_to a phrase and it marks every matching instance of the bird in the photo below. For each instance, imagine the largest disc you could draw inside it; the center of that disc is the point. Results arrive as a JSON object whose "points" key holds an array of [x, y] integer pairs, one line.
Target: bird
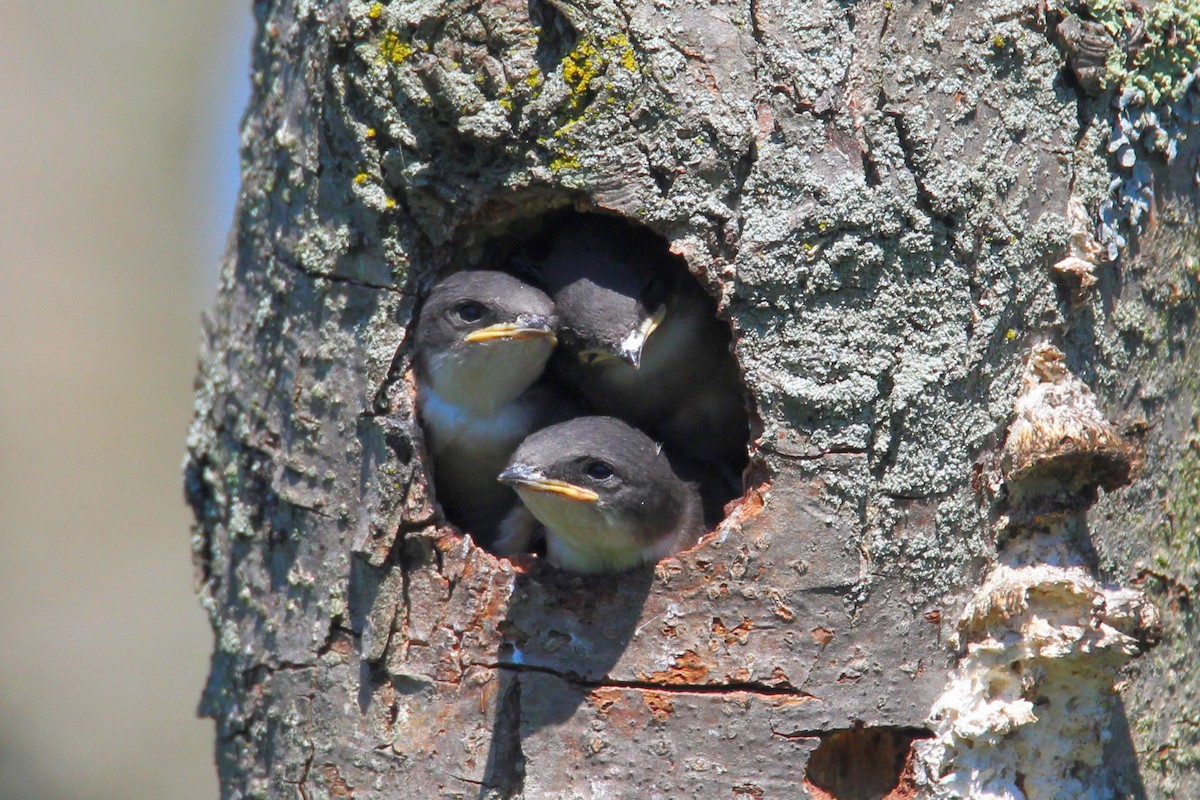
{"points": [[606, 496], [641, 341], [483, 338]]}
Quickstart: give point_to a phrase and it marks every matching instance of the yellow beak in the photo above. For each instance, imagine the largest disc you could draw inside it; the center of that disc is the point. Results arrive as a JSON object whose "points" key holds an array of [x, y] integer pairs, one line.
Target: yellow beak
{"points": [[509, 331], [650, 325], [635, 342], [568, 490]]}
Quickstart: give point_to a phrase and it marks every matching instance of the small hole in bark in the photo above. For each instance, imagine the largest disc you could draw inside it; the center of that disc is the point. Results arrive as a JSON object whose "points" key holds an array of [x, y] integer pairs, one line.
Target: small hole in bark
{"points": [[864, 764], [665, 367]]}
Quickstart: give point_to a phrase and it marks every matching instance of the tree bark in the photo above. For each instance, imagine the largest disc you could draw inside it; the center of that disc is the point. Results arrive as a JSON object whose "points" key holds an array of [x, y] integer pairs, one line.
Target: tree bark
{"points": [[954, 326]]}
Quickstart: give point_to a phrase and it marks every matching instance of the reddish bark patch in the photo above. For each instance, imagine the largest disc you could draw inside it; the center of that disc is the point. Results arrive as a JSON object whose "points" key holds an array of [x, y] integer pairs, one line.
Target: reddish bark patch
{"points": [[446, 539], [780, 680], [659, 703], [732, 635], [603, 700], [779, 608], [339, 642], [337, 785], [788, 700], [689, 669], [491, 604], [749, 504], [863, 764], [822, 636], [620, 709]]}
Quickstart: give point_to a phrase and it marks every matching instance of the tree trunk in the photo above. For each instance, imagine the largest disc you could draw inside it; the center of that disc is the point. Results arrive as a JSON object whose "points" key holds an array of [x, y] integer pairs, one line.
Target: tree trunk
{"points": [[932, 227]]}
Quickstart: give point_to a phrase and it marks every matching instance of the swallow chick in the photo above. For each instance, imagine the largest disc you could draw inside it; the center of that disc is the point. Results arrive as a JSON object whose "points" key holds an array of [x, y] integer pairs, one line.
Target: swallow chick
{"points": [[482, 342], [641, 341], [605, 494]]}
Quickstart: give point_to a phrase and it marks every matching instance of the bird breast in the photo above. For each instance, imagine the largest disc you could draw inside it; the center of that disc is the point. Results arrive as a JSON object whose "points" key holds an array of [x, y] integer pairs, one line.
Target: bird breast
{"points": [[488, 436]]}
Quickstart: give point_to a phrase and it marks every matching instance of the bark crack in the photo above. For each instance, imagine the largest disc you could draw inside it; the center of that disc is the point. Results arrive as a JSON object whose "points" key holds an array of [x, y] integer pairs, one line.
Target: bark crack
{"points": [[820, 733], [792, 455], [337, 278], [895, 419], [755, 31], [747, 687], [909, 150]]}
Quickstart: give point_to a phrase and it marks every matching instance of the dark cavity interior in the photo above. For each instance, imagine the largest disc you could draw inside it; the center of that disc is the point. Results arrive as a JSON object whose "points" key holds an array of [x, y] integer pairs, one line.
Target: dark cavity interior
{"points": [[863, 764], [695, 403]]}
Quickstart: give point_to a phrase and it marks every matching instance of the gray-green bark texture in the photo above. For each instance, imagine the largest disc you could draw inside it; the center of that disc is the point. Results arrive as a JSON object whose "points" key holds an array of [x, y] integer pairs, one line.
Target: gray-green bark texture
{"points": [[957, 247]]}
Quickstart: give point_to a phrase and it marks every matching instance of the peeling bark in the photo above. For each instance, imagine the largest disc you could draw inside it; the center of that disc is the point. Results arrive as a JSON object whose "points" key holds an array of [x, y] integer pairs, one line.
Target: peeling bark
{"points": [[899, 208]]}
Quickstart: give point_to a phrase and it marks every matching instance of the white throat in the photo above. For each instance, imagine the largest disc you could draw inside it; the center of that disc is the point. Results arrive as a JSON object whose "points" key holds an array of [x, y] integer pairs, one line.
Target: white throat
{"points": [[583, 539], [488, 375]]}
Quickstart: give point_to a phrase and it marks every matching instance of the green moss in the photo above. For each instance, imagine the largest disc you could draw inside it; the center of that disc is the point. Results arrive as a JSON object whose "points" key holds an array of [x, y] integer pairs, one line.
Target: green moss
{"points": [[1168, 50]]}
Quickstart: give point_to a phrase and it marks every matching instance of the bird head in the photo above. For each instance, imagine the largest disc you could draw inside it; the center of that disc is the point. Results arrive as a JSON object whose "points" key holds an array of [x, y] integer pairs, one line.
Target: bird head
{"points": [[601, 486], [484, 337], [611, 289]]}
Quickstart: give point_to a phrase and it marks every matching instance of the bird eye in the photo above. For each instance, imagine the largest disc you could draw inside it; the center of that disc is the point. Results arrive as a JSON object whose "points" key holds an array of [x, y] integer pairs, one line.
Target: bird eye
{"points": [[469, 312], [598, 470]]}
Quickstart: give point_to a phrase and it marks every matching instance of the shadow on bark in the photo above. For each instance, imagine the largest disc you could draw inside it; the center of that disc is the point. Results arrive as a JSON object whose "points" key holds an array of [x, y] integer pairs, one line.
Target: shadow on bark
{"points": [[571, 627], [1120, 750]]}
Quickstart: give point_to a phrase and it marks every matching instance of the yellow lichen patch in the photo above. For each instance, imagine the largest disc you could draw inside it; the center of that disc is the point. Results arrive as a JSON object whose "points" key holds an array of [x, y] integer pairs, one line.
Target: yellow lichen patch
{"points": [[587, 70], [370, 133], [624, 52], [505, 103], [376, 11], [361, 178], [581, 65], [564, 161], [534, 79], [391, 202], [563, 145], [392, 48]]}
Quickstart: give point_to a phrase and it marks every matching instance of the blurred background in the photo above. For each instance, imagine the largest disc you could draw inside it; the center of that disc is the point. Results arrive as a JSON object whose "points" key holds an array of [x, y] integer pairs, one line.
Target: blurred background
{"points": [[118, 170]]}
